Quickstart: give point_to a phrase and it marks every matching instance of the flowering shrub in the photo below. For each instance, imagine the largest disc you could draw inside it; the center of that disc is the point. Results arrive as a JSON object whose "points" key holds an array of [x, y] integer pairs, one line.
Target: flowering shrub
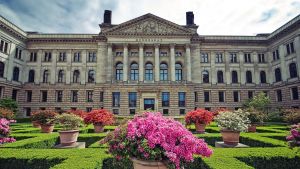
{"points": [[294, 137], [44, 117], [79, 113], [199, 116], [6, 113], [99, 117], [5, 131], [151, 136], [236, 120], [256, 116], [219, 110], [291, 116], [69, 121]]}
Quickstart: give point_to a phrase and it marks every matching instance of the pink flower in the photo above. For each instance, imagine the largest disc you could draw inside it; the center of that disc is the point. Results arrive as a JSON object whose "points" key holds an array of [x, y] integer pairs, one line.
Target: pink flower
{"points": [[289, 138]]}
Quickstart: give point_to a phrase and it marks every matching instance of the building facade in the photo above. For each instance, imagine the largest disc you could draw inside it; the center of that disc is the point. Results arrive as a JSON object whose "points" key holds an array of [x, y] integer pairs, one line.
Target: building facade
{"points": [[147, 63]]}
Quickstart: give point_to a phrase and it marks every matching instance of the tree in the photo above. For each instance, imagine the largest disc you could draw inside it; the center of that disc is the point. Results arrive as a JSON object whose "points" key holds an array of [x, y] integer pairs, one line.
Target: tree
{"points": [[9, 104], [259, 102]]}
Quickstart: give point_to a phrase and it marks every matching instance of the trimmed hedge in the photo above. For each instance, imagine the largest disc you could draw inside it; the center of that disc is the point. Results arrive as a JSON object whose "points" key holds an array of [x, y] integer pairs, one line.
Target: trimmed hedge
{"points": [[9, 163]]}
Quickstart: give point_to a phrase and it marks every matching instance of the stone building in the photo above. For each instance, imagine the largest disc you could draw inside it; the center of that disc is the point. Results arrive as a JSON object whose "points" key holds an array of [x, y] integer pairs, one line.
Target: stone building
{"points": [[147, 62]]}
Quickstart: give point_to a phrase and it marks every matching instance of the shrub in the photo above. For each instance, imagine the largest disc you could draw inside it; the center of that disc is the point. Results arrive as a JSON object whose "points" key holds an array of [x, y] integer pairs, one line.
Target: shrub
{"points": [[291, 116], [259, 102], [294, 137], [199, 116], [219, 110], [99, 117], [44, 117], [6, 113], [10, 104], [5, 131], [69, 121], [79, 113], [236, 120], [256, 116]]}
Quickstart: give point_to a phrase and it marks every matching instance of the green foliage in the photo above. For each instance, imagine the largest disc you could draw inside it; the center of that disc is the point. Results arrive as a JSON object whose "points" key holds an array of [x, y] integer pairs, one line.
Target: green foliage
{"points": [[8, 163], [9, 104], [291, 116], [259, 102], [69, 121]]}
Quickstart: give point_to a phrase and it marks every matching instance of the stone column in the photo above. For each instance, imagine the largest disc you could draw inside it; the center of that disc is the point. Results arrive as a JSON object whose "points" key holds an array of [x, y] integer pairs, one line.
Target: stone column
{"points": [[156, 60], [9, 65], [212, 72], [270, 73], [53, 70], [172, 61], [101, 54], [83, 68], [141, 62], [226, 75], [38, 72], [188, 63], [69, 72], [109, 62], [297, 49], [256, 75], [125, 63], [283, 67], [242, 73], [196, 65]]}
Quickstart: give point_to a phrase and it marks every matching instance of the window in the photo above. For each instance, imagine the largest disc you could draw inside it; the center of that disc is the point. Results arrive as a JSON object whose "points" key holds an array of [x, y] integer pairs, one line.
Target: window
{"points": [[236, 96], [74, 95], [261, 58], [181, 99], [134, 71], [234, 77], [276, 55], [92, 57], [204, 57], [76, 76], [61, 76], [205, 76], [91, 76], [62, 57], [89, 109], [277, 75], [279, 95], [59, 95], [163, 71], [233, 58], [290, 48], [16, 52], [89, 96], [2, 68], [248, 77], [19, 54], [119, 53], [293, 70], [131, 111], [295, 95], [132, 99], [206, 96], [1, 91], [28, 111], [148, 72], [101, 96], [134, 54], [28, 96], [116, 99], [207, 108], [178, 72], [119, 71], [164, 53], [46, 76], [219, 58], [6, 47], [196, 96], [165, 111], [263, 78], [44, 95], [149, 53], [178, 53], [47, 57], [31, 76], [33, 57], [250, 94], [182, 111], [1, 45], [77, 57], [220, 77], [165, 99], [221, 96], [14, 94], [247, 57], [115, 111], [16, 72]]}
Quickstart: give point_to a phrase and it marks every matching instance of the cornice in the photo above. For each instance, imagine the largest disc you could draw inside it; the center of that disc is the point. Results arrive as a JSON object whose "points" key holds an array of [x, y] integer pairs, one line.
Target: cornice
{"points": [[12, 29]]}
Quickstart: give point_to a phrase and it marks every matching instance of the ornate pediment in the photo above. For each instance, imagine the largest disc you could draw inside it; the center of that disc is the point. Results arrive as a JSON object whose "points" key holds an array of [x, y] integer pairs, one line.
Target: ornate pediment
{"points": [[148, 25]]}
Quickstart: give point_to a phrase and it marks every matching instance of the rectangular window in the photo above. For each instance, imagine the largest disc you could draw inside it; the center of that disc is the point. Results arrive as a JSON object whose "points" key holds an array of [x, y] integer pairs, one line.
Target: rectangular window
{"points": [[290, 48], [47, 57], [233, 58], [221, 97], [101, 96], [132, 97], [261, 58], [204, 57], [89, 109], [219, 58], [206, 96], [178, 53], [165, 111], [33, 57], [44, 95], [163, 53], [250, 94], [92, 57], [279, 95], [148, 53], [77, 57], [119, 53], [20, 54], [6, 47], [116, 99], [247, 57], [236, 96], [165, 99], [16, 52], [182, 111], [1, 46], [115, 111], [74, 95], [131, 111], [59, 96], [14, 94], [1, 91], [134, 54], [181, 99], [277, 54], [28, 111], [295, 95], [196, 96], [28, 95], [62, 57], [89, 96], [207, 108]]}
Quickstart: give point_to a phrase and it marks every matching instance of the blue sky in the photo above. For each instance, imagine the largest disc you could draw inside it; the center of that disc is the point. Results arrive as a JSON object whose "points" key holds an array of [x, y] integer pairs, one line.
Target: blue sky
{"points": [[214, 17]]}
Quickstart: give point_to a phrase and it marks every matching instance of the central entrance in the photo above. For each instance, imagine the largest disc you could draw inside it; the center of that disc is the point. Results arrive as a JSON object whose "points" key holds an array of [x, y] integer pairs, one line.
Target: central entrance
{"points": [[149, 104]]}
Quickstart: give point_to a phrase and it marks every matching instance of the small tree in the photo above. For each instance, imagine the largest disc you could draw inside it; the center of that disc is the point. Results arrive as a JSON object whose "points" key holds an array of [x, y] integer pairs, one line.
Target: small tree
{"points": [[260, 102], [10, 104]]}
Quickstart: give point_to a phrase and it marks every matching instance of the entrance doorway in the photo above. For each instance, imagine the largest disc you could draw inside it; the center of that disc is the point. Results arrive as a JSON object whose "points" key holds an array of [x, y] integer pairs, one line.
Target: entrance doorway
{"points": [[149, 104]]}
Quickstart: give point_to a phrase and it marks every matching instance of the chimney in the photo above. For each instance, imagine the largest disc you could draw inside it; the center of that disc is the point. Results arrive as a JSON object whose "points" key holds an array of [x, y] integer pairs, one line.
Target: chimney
{"points": [[107, 17], [189, 18]]}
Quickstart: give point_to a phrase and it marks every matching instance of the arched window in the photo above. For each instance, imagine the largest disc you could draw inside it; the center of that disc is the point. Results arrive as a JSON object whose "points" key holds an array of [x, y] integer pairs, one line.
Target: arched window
{"points": [[163, 71], [31, 76], [76, 76], [263, 78], [277, 75], [134, 71], [178, 72], [234, 77], [91, 76], [119, 71], [220, 76], [293, 70], [16, 73], [2, 66], [248, 77], [61, 76], [149, 71], [205, 76], [46, 76]]}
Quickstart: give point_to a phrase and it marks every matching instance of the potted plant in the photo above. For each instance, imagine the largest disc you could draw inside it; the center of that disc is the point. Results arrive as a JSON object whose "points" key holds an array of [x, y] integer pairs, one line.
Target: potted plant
{"points": [[70, 124], [153, 141], [294, 137], [231, 124], [5, 131], [292, 116], [200, 118], [256, 117], [46, 119], [77, 112], [99, 118], [34, 120]]}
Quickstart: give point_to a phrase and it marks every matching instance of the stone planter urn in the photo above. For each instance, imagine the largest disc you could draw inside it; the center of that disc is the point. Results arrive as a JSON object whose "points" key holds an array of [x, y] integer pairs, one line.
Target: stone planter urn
{"points": [[68, 138], [200, 128], [144, 164], [98, 128], [36, 124], [47, 128], [230, 137], [252, 128]]}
